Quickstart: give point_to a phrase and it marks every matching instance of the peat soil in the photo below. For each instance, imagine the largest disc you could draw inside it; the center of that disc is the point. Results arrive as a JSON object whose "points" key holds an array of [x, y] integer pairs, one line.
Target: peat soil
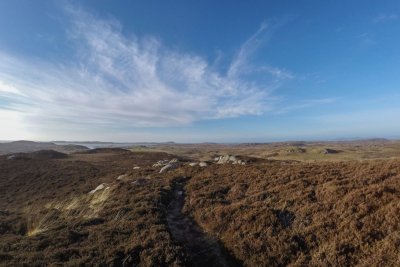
{"points": [[202, 249]]}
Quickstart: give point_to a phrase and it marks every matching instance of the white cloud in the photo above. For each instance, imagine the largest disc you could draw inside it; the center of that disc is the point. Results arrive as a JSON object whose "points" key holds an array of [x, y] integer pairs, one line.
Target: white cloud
{"points": [[385, 17], [305, 104], [121, 81]]}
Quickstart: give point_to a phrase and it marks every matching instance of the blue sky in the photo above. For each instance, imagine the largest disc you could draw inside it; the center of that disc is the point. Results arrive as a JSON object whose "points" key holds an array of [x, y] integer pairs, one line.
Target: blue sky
{"points": [[196, 71]]}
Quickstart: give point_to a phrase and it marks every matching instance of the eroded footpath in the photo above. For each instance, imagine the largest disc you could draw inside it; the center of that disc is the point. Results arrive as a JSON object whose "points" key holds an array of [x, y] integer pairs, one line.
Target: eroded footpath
{"points": [[202, 249]]}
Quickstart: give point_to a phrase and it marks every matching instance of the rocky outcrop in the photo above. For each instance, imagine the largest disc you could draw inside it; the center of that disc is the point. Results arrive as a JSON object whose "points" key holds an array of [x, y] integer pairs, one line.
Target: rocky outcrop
{"points": [[229, 159], [169, 166]]}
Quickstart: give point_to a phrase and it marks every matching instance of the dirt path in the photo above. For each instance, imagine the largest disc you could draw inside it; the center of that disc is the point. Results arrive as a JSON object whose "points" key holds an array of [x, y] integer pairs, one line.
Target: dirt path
{"points": [[201, 248]]}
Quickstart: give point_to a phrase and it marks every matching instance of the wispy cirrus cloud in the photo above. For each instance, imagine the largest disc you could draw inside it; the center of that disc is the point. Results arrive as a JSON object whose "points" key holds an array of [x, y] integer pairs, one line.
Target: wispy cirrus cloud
{"points": [[305, 104], [119, 80], [241, 64], [386, 17]]}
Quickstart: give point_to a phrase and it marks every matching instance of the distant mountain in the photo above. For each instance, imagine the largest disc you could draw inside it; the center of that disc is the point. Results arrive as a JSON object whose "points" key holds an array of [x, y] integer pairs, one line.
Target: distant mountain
{"points": [[359, 139], [82, 142], [30, 146]]}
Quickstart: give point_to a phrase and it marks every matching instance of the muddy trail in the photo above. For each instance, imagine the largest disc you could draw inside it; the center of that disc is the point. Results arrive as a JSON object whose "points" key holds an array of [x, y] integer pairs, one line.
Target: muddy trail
{"points": [[202, 249]]}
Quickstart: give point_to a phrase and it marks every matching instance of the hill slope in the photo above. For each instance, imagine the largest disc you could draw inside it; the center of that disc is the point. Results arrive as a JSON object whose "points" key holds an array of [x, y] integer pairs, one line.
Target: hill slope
{"points": [[113, 207]]}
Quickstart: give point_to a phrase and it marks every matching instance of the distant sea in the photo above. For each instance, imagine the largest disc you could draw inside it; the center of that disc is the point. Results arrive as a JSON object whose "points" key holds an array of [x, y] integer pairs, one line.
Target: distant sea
{"points": [[97, 144]]}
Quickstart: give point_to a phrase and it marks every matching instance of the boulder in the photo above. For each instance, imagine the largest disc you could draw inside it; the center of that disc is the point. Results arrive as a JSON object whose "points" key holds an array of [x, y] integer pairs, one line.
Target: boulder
{"points": [[223, 159], [192, 164], [227, 159], [203, 164]]}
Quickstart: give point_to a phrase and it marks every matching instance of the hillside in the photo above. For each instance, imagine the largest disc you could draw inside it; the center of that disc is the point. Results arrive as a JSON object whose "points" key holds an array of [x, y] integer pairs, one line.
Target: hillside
{"points": [[114, 207], [29, 146]]}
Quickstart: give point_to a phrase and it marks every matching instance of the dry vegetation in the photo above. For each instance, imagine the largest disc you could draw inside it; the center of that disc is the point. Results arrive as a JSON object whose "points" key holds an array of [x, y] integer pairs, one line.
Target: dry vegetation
{"points": [[319, 214], [47, 216], [266, 213], [301, 151]]}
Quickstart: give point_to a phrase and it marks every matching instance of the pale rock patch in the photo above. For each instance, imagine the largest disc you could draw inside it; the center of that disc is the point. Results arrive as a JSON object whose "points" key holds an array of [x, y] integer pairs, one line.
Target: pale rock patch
{"points": [[168, 167], [203, 164], [98, 188]]}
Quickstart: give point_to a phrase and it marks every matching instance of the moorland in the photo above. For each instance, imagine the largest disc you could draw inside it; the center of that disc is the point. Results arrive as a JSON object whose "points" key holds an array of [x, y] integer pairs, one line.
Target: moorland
{"points": [[274, 204]]}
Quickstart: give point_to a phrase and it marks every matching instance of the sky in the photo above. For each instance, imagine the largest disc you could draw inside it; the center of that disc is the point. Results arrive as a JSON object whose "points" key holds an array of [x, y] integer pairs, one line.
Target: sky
{"points": [[199, 71]]}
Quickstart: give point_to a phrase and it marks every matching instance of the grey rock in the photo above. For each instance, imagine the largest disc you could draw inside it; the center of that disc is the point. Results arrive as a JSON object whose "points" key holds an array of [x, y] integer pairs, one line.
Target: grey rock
{"points": [[168, 167]]}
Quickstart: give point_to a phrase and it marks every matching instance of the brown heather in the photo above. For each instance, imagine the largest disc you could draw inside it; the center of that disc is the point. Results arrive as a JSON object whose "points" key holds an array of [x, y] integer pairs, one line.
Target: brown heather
{"points": [[266, 213]]}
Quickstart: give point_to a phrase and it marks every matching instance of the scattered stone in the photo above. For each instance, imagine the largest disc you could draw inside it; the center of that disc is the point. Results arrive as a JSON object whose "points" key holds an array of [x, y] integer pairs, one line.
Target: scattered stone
{"points": [[100, 187], [203, 164], [192, 164], [161, 163], [173, 160], [11, 157], [121, 177]]}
